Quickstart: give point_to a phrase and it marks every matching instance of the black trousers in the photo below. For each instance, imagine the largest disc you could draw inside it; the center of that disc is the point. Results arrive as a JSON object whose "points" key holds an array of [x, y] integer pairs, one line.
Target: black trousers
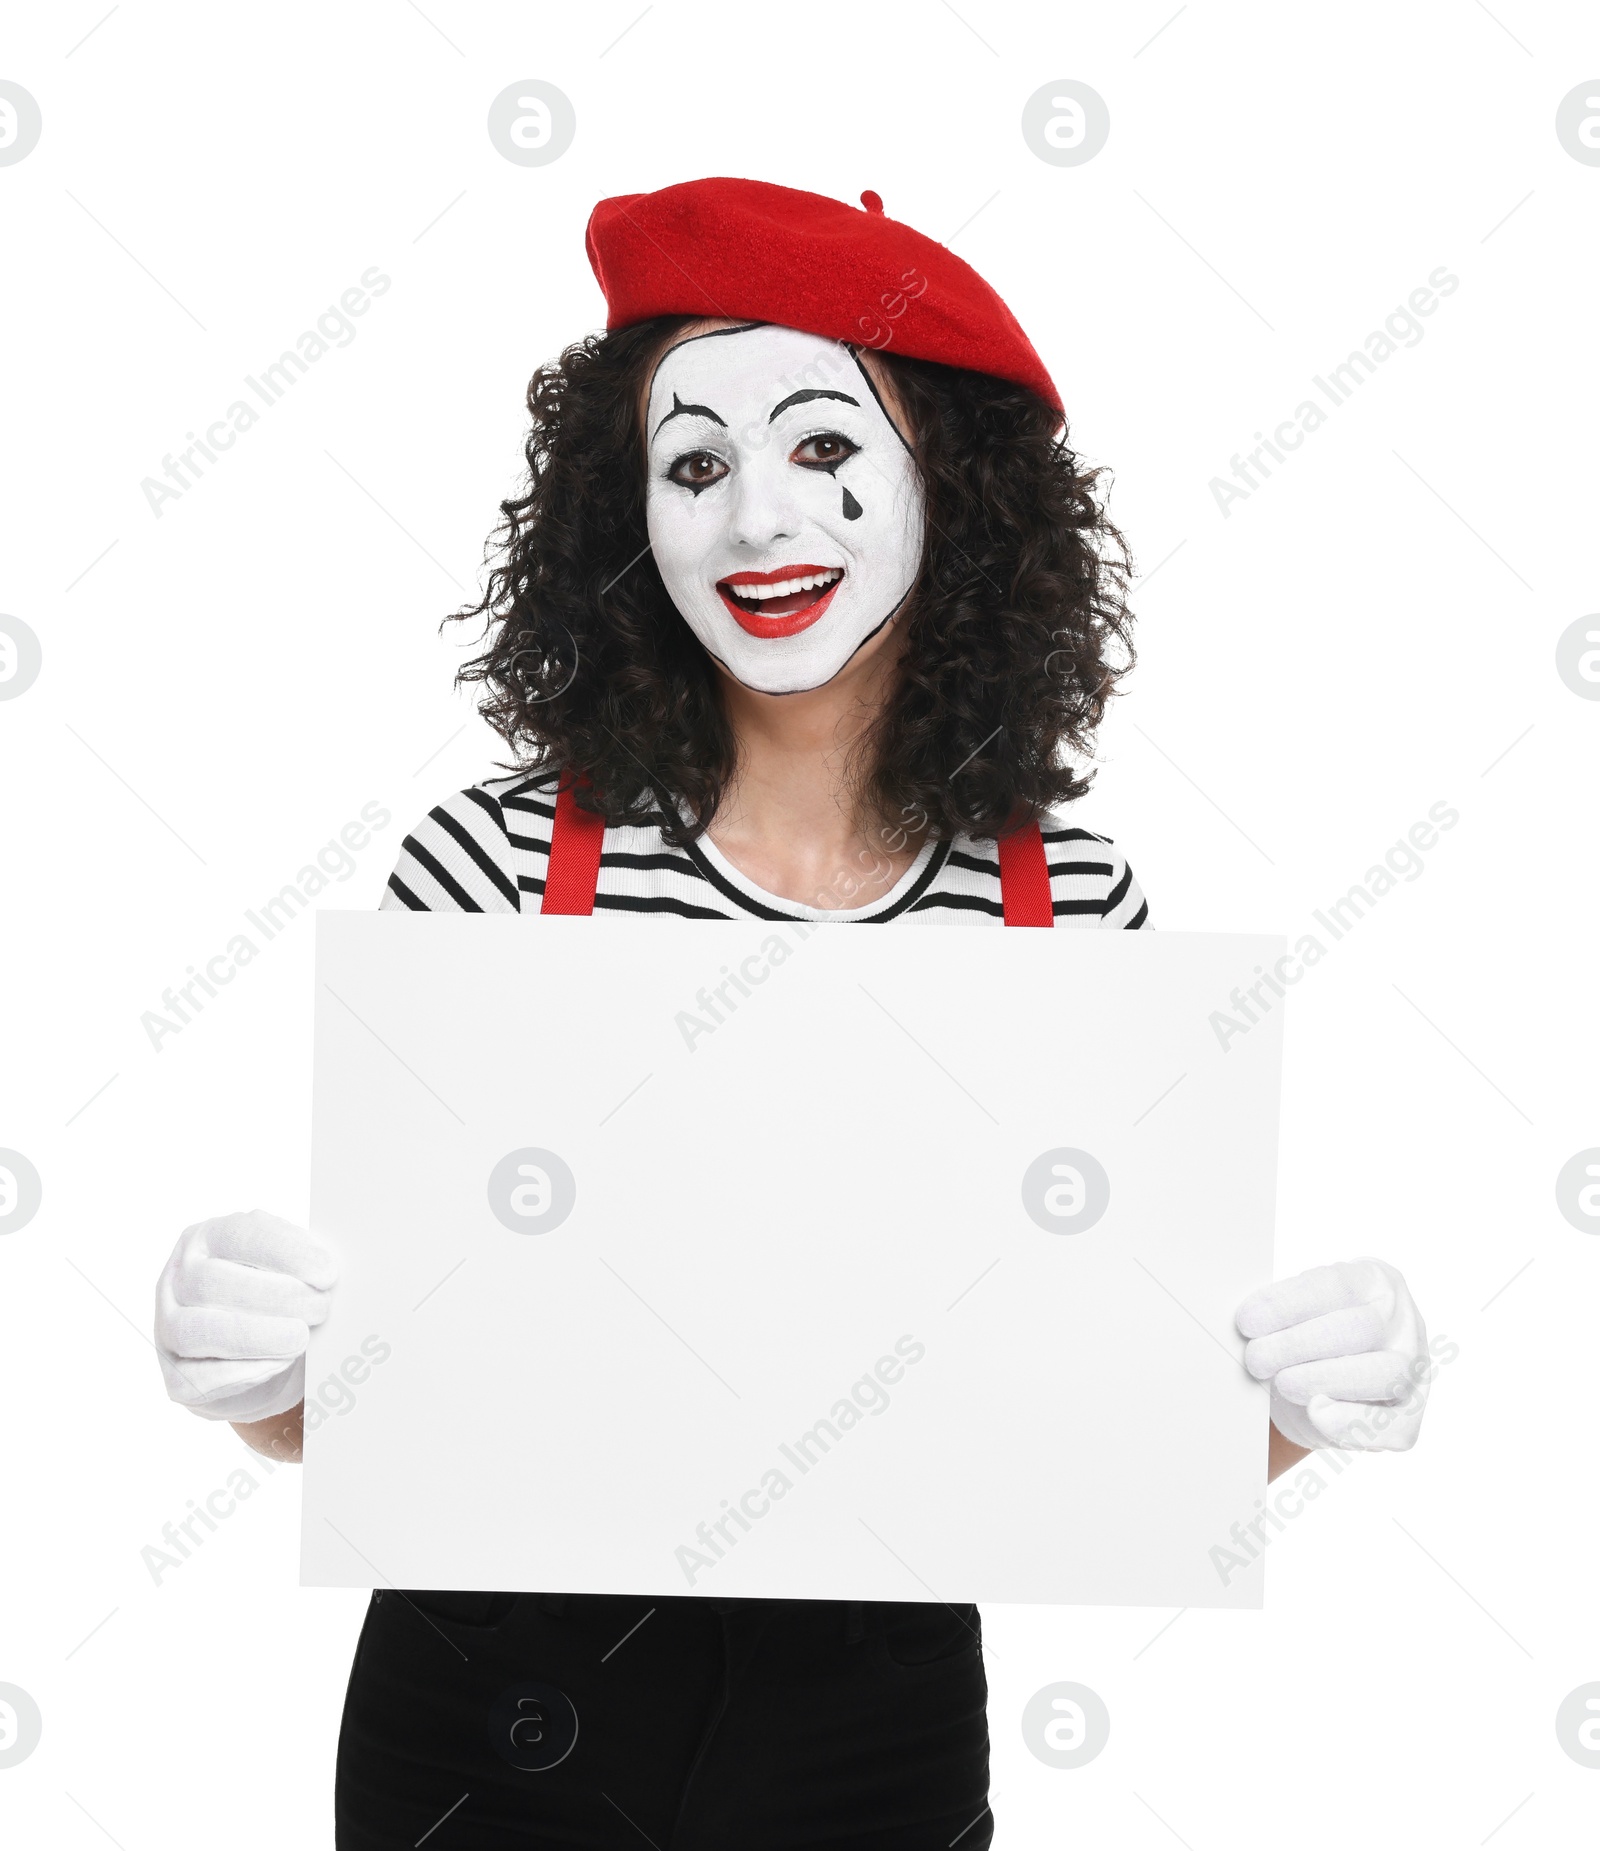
{"points": [[487, 1722]]}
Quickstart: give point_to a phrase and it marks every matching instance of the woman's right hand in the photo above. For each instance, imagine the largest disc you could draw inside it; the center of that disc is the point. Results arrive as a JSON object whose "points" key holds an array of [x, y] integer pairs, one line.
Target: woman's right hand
{"points": [[235, 1307]]}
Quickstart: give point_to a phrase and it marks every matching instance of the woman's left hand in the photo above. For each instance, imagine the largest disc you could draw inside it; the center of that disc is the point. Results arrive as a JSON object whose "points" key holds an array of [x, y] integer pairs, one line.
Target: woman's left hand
{"points": [[1346, 1353]]}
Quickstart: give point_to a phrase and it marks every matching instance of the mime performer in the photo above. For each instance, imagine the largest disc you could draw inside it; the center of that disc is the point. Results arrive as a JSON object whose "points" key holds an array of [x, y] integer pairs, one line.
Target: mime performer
{"points": [[806, 611]]}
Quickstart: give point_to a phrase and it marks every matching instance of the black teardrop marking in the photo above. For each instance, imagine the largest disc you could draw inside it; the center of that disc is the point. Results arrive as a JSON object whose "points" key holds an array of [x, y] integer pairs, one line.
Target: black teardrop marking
{"points": [[852, 507]]}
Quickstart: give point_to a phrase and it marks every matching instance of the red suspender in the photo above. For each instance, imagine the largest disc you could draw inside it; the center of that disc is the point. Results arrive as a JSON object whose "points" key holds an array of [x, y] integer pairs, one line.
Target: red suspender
{"points": [[1025, 879], [574, 868]]}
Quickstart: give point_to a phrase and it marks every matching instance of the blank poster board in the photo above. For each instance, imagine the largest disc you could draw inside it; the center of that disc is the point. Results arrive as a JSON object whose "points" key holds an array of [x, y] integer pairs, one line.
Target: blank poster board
{"points": [[761, 1260]]}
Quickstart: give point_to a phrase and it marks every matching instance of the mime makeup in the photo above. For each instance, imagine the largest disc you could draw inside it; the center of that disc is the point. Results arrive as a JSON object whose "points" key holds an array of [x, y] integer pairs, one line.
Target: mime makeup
{"points": [[784, 508]]}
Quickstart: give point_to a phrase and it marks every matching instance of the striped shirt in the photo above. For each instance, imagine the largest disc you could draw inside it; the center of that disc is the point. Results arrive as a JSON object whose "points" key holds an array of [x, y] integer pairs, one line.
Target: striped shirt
{"points": [[486, 849]]}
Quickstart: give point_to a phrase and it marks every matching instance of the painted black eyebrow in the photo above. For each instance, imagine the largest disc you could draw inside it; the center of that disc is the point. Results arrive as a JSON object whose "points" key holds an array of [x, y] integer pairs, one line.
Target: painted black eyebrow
{"points": [[801, 398], [679, 408]]}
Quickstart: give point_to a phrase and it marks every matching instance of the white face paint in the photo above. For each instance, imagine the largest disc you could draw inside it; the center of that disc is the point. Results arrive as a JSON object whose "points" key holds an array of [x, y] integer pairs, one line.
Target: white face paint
{"points": [[784, 509]]}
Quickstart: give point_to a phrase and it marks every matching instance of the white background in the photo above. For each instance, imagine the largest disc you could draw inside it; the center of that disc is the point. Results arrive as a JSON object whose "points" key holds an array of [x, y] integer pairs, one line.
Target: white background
{"points": [[1370, 633]]}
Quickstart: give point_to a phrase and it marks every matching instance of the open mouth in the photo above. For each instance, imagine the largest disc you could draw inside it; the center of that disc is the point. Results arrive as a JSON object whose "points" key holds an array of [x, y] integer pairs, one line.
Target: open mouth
{"points": [[780, 603]]}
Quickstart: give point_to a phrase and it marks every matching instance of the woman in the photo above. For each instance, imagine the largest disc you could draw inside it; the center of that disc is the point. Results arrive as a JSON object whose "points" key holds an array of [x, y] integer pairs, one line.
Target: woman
{"points": [[804, 614]]}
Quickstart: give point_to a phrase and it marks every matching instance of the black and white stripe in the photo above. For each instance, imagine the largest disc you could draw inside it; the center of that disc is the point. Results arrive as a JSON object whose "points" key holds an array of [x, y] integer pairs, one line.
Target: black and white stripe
{"points": [[486, 850]]}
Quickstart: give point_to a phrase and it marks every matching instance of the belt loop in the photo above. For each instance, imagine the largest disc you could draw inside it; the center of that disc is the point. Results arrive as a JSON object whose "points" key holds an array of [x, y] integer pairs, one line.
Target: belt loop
{"points": [[855, 1622], [553, 1603]]}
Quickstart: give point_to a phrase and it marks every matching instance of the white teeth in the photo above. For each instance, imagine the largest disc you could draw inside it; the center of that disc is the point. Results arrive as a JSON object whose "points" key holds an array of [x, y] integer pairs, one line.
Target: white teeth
{"points": [[785, 588]]}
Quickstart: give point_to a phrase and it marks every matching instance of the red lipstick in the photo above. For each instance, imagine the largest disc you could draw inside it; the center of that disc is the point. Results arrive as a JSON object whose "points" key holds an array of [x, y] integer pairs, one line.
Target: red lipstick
{"points": [[785, 616]]}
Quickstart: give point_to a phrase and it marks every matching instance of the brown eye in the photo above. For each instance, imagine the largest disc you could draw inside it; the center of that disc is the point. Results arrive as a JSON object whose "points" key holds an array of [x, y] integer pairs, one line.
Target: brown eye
{"points": [[827, 452], [697, 470]]}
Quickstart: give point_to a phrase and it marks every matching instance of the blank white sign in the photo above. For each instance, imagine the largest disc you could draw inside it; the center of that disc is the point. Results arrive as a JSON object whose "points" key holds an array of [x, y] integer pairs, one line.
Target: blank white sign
{"points": [[767, 1261]]}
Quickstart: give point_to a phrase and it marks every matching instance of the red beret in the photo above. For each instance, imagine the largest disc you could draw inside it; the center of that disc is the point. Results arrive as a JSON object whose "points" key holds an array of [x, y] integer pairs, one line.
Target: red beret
{"points": [[754, 252]]}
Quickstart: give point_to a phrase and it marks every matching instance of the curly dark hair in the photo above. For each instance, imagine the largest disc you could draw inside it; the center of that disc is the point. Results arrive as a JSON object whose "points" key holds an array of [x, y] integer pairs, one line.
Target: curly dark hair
{"points": [[1016, 628]]}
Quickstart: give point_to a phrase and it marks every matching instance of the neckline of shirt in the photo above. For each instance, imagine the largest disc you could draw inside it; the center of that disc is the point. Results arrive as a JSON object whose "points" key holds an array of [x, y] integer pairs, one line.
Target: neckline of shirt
{"points": [[768, 902]]}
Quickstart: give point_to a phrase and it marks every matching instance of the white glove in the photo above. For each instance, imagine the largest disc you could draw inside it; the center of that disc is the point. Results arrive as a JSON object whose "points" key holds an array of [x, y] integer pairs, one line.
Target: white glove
{"points": [[1346, 1353], [235, 1306]]}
